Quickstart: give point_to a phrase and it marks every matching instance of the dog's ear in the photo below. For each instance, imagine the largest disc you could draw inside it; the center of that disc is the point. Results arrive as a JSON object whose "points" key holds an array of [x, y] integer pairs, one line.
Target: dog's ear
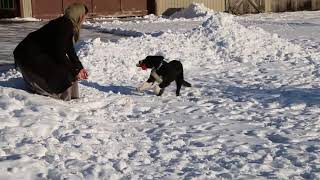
{"points": [[158, 58], [149, 57]]}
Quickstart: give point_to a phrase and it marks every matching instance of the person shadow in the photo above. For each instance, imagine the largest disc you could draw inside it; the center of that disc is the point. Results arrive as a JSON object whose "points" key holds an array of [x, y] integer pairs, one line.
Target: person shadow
{"points": [[286, 97], [16, 83], [125, 90], [19, 83]]}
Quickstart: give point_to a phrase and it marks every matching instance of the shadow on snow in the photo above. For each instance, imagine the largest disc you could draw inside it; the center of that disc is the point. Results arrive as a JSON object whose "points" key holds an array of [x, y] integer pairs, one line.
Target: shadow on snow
{"points": [[284, 96], [125, 90]]}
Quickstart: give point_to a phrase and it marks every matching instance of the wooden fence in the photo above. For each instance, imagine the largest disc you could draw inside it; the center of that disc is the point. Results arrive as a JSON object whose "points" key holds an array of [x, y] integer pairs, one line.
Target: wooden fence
{"points": [[256, 6], [167, 7]]}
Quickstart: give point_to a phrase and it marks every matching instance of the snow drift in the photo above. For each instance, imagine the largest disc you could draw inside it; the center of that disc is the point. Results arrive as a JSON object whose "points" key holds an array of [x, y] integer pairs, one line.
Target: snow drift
{"points": [[218, 40], [193, 11]]}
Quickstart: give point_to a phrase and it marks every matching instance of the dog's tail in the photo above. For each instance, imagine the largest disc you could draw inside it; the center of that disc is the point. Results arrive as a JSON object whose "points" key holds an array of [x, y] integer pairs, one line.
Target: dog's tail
{"points": [[185, 83]]}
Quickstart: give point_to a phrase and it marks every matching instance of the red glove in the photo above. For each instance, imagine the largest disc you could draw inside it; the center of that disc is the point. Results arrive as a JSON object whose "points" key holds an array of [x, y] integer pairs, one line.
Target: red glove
{"points": [[83, 74]]}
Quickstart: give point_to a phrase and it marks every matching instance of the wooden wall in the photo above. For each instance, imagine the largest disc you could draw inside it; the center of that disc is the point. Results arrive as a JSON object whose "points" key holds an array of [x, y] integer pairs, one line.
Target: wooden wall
{"points": [[250, 6], [291, 5], [315, 4], [168, 7], [26, 8], [245, 6], [47, 9]]}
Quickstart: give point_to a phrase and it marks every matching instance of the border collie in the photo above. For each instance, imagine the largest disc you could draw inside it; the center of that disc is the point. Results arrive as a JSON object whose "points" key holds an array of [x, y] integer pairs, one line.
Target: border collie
{"points": [[163, 73]]}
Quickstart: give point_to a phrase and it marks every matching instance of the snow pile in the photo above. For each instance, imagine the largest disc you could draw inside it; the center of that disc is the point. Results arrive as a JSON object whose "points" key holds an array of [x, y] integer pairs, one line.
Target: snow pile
{"points": [[192, 16], [219, 32], [219, 41], [193, 11], [220, 37], [243, 44]]}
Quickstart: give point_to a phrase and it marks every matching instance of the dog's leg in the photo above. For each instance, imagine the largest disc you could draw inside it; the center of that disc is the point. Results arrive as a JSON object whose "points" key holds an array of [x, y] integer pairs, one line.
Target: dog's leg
{"points": [[156, 76], [184, 83], [144, 86], [156, 89], [161, 87], [161, 92], [151, 79], [179, 82], [164, 84]]}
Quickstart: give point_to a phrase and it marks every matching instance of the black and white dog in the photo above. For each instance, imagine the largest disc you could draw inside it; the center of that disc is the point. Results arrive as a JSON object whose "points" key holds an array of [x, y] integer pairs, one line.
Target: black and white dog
{"points": [[163, 73]]}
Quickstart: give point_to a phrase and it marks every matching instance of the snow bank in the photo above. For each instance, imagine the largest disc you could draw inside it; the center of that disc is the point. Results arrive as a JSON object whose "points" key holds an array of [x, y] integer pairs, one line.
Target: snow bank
{"points": [[218, 40], [244, 44], [193, 11], [18, 19]]}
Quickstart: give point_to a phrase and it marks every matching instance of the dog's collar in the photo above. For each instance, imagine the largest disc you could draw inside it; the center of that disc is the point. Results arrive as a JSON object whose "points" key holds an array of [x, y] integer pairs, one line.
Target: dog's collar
{"points": [[159, 66]]}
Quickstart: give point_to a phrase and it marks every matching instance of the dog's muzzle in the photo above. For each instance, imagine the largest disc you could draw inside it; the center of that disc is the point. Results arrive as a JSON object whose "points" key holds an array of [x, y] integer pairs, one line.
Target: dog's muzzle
{"points": [[143, 66]]}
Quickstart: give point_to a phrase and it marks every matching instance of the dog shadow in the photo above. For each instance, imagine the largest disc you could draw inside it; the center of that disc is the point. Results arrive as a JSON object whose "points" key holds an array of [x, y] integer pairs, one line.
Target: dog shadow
{"points": [[125, 90]]}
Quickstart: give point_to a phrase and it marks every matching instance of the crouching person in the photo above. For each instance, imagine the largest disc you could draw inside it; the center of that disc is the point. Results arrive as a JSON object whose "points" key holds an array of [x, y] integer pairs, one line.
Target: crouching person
{"points": [[47, 59]]}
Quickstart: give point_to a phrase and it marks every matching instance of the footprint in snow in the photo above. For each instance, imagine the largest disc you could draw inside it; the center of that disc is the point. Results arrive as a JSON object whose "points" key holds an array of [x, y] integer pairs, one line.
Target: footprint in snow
{"points": [[190, 109], [277, 138], [142, 110]]}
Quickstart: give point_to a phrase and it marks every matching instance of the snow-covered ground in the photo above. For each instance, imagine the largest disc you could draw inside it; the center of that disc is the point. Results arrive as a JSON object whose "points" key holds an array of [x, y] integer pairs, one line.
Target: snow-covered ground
{"points": [[252, 113], [18, 19]]}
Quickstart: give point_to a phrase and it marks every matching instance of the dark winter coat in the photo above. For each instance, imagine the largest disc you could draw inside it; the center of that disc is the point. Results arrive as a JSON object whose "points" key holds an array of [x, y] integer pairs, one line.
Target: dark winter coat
{"points": [[49, 53]]}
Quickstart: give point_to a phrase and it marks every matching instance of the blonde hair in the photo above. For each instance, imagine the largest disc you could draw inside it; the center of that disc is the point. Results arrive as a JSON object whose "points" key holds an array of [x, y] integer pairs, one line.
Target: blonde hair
{"points": [[74, 12]]}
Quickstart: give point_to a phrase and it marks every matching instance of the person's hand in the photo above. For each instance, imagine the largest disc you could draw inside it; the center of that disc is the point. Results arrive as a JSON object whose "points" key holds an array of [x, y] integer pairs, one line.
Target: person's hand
{"points": [[83, 74]]}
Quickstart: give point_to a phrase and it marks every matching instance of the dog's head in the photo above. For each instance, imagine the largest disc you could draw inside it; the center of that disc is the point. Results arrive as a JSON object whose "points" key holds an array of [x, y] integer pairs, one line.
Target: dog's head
{"points": [[150, 62]]}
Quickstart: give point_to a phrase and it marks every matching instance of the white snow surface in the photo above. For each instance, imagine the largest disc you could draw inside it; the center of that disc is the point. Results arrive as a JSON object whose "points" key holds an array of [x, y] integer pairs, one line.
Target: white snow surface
{"points": [[252, 113], [19, 19]]}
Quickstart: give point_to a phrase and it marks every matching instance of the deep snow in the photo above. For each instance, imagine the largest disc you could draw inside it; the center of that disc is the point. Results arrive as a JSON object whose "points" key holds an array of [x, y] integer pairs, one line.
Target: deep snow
{"points": [[252, 113]]}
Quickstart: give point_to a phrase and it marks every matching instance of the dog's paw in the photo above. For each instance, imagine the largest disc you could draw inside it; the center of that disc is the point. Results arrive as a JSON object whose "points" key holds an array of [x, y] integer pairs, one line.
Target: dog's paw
{"points": [[160, 92], [144, 86], [156, 89]]}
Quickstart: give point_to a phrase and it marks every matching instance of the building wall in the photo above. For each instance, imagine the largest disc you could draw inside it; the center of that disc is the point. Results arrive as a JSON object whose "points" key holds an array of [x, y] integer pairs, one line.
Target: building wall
{"points": [[170, 6], [47, 9], [26, 8], [291, 5], [268, 6], [315, 4], [9, 8], [116, 8], [245, 6]]}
